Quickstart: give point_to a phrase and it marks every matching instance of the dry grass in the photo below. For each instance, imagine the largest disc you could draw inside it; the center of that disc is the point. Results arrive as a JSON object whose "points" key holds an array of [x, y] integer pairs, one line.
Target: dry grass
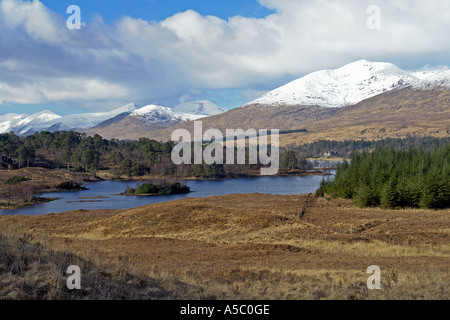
{"points": [[32, 270], [395, 114], [45, 179], [254, 247]]}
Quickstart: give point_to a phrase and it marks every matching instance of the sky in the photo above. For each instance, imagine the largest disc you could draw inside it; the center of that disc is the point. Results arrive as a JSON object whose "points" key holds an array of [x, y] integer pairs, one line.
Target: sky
{"points": [[230, 52]]}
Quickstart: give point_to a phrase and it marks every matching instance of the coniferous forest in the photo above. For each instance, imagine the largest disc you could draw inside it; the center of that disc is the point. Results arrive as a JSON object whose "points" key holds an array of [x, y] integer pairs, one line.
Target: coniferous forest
{"points": [[78, 152], [391, 178]]}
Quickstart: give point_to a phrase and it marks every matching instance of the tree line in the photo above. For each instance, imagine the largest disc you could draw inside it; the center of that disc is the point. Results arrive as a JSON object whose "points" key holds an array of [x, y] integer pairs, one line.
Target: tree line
{"points": [[391, 178], [78, 152], [346, 148]]}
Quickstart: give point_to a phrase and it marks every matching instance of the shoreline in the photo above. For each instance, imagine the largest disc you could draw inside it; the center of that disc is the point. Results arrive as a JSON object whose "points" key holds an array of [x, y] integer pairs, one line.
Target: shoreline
{"points": [[255, 241], [33, 202], [315, 172], [104, 176]]}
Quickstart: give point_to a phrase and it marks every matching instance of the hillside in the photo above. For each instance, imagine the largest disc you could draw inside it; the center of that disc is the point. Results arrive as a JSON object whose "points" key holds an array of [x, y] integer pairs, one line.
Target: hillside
{"points": [[348, 85], [394, 114], [141, 122], [47, 120], [256, 117], [253, 246]]}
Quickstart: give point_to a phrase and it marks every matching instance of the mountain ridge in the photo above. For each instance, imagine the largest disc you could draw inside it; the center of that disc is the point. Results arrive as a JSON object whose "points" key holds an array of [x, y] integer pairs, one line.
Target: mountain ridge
{"points": [[24, 124], [349, 85], [302, 103], [143, 121], [394, 114]]}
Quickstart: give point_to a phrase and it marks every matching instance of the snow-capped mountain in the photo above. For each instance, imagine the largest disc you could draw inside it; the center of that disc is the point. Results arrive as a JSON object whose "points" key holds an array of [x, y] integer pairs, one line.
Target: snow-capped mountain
{"points": [[202, 107], [349, 85], [141, 122], [23, 124], [7, 121], [154, 113], [88, 120], [35, 122], [421, 75], [434, 80]]}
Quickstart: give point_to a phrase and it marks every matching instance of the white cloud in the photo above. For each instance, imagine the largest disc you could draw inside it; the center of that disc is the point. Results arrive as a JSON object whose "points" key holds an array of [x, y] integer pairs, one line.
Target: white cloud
{"points": [[62, 89], [37, 21], [137, 60]]}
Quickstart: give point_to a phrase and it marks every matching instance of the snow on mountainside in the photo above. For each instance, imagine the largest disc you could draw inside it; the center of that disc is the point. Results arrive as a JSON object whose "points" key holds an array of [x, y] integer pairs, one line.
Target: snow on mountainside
{"points": [[141, 122], [421, 75], [202, 107], [23, 124], [340, 87], [350, 85], [88, 120], [155, 113], [436, 79], [35, 122], [7, 121]]}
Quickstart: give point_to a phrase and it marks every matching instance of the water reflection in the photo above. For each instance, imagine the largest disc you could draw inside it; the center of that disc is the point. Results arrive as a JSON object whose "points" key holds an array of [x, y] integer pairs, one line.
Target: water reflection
{"points": [[104, 194]]}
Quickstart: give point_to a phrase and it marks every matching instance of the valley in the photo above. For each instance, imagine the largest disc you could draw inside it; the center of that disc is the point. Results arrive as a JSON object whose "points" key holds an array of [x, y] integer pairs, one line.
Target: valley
{"points": [[361, 100], [249, 246], [242, 244]]}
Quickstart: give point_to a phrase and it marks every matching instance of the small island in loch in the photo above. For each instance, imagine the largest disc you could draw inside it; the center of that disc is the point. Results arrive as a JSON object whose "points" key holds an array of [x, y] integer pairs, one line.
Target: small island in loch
{"points": [[155, 189]]}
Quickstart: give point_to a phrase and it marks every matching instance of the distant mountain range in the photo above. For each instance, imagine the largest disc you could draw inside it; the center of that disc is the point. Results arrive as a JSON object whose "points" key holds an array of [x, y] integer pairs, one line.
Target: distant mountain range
{"points": [[350, 85], [158, 116], [361, 100]]}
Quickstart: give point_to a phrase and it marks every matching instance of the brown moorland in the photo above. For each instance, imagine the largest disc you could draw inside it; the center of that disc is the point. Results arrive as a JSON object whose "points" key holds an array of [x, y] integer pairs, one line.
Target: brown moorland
{"points": [[37, 181], [394, 114], [246, 246]]}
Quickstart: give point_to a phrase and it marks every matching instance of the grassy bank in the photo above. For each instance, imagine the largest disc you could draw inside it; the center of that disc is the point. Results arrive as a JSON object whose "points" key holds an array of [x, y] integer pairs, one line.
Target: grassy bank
{"points": [[254, 247], [12, 204], [31, 270]]}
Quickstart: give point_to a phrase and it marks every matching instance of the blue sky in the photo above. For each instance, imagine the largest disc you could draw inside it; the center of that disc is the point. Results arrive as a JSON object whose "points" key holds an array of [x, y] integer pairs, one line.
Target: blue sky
{"points": [[150, 10], [173, 51], [156, 10]]}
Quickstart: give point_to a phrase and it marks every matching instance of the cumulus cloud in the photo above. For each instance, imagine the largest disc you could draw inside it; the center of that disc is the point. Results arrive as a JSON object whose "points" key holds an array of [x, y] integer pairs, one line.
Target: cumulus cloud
{"points": [[36, 20], [188, 53]]}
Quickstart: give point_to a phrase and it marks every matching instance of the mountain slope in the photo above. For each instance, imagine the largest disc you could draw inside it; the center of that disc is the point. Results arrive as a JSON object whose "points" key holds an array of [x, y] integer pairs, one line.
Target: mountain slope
{"points": [[82, 121], [9, 120], [347, 85], [47, 120], [151, 117], [202, 107], [255, 117], [435, 80], [35, 122], [351, 84], [324, 100], [396, 113], [140, 122]]}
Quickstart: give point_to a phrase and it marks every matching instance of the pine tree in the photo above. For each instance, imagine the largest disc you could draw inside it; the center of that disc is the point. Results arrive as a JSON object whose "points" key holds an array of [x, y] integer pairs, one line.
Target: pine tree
{"points": [[289, 160], [390, 195]]}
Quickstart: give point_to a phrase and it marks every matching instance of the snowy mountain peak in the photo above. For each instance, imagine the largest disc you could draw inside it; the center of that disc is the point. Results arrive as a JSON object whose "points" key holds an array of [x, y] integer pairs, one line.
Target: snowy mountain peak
{"points": [[48, 120], [155, 113], [201, 107], [347, 85], [126, 108], [150, 109], [45, 115], [434, 79], [36, 120]]}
